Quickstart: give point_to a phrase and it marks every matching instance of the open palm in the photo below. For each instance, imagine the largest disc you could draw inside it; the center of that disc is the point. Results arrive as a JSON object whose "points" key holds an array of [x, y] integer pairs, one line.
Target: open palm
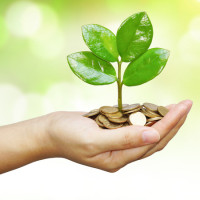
{"points": [[81, 140]]}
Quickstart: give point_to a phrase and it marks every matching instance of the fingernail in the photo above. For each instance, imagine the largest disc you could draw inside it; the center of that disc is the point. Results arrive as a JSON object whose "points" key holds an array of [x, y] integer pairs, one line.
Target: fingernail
{"points": [[150, 136]]}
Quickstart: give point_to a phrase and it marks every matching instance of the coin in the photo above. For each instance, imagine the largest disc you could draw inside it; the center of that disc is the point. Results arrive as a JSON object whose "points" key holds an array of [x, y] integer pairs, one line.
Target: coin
{"points": [[151, 107], [149, 113], [108, 117], [162, 110], [108, 124], [114, 115], [98, 122], [108, 109], [123, 105], [131, 107], [102, 118], [118, 120], [132, 111], [137, 118], [154, 119], [92, 113], [111, 125]]}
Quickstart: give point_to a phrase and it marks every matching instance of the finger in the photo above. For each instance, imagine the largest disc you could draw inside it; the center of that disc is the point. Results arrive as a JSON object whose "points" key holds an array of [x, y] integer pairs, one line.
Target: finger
{"points": [[115, 161], [131, 136], [160, 145], [173, 117], [171, 106], [126, 137], [170, 121]]}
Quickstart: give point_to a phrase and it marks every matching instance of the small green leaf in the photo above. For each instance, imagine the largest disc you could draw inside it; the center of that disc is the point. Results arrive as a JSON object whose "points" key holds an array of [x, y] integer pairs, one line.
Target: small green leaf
{"points": [[146, 67], [91, 69], [101, 41], [134, 36]]}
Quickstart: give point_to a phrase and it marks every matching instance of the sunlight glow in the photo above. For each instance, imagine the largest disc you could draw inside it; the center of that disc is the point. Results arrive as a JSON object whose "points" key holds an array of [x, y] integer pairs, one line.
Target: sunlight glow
{"points": [[195, 28], [23, 18], [48, 42]]}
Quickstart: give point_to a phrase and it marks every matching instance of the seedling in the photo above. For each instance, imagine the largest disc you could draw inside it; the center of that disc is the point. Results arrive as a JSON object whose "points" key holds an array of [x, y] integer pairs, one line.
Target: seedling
{"points": [[131, 44]]}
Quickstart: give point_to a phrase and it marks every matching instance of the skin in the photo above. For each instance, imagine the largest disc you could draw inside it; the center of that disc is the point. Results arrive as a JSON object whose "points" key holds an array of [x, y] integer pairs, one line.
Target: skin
{"points": [[70, 135]]}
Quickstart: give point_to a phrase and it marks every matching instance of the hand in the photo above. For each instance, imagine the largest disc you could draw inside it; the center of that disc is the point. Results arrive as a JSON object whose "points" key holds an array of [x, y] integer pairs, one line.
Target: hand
{"points": [[79, 139]]}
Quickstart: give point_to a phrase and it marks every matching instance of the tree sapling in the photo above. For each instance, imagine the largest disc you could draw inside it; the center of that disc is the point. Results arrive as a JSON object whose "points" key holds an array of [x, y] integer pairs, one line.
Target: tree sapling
{"points": [[131, 44]]}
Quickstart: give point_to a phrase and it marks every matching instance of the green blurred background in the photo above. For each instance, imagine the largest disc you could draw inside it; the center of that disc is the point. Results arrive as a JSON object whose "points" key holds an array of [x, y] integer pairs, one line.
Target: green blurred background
{"points": [[35, 38]]}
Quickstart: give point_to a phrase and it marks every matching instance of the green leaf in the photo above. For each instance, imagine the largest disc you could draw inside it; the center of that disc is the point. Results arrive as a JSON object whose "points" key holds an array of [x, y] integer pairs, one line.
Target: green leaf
{"points": [[101, 41], [146, 67], [91, 69], [134, 36]]}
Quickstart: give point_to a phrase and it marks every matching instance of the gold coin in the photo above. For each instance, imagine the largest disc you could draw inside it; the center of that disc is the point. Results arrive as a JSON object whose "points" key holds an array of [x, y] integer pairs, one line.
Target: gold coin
{"points": [[108, 110], [137, 118], [98, 122], [118, 120], [102, 118], [151, 107], [111, 125], [132, 111], [131, 107], [123, 105], [107, 123], [149, 113], [162, 110], [116, 115], [154, 119], [92, 113]]}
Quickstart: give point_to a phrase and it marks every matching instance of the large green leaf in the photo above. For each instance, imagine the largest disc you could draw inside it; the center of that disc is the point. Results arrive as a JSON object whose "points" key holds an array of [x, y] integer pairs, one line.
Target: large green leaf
{"points": [[91, 69], [146, 67], [134, 36], [101, 41]]}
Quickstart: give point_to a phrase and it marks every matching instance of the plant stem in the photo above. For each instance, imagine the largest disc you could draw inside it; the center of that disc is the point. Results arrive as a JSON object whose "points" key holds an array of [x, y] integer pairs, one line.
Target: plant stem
{"points": [[119, 84]]}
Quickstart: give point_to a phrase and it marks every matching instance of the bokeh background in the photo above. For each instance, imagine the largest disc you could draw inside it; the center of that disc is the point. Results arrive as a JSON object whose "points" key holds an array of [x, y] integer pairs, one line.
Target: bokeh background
{"points": [[35, 38]]}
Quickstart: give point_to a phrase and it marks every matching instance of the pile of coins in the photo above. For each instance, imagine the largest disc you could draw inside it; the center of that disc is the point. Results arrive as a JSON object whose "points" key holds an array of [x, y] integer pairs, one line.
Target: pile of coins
{"points": [[109, 117]]}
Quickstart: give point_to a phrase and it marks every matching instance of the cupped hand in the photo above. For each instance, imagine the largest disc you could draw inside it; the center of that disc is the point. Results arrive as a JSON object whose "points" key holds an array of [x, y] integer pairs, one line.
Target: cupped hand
{"points": [[79, 139]]}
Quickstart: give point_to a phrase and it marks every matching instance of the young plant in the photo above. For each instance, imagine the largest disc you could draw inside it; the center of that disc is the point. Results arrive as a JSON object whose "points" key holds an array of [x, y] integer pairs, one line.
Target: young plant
{"points": [[131, 44]]}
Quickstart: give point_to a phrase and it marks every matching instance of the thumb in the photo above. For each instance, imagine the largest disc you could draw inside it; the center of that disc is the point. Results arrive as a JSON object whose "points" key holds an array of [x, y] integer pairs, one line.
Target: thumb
{"points": [[127, 137]]}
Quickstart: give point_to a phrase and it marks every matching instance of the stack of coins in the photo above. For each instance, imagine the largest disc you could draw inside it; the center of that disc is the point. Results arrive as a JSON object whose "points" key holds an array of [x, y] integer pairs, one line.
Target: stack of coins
{"points": [[109, 117]]}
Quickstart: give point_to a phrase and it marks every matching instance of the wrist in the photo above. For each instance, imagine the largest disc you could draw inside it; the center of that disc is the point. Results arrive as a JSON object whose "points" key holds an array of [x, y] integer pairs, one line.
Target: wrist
{"points": [[45, 147], [24, 142]]}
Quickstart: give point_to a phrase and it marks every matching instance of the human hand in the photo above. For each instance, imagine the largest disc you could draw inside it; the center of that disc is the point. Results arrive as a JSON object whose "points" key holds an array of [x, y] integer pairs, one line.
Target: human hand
{"points": [[72, 136]]}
